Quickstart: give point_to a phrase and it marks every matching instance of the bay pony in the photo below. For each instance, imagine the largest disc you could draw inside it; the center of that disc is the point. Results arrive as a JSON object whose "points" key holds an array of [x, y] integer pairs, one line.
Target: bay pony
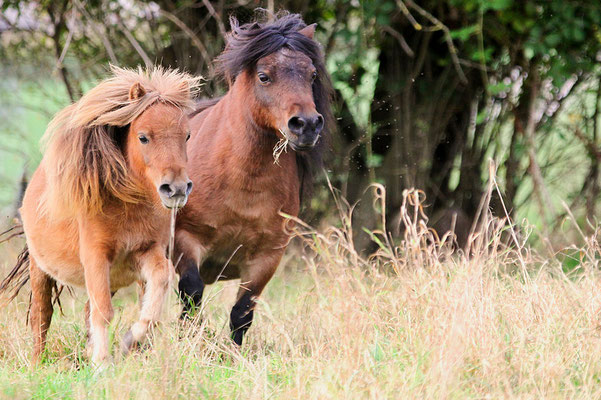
{"points": [[278, 103]]}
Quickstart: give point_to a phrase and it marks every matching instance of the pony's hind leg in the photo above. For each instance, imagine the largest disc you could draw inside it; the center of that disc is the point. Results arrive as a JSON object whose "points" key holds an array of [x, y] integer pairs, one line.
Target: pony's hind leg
{"points": [[157, 272], [253, 279], [241, 316], [41, 307]]}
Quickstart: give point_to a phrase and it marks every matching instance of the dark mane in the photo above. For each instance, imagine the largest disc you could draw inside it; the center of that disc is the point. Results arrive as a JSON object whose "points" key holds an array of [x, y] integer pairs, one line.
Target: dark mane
{"points": [[248, 43]]}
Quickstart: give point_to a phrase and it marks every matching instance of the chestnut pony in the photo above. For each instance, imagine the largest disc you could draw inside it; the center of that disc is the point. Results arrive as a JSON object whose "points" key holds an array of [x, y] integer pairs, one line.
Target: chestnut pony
{"points": [[96, 213], [232, 227]]}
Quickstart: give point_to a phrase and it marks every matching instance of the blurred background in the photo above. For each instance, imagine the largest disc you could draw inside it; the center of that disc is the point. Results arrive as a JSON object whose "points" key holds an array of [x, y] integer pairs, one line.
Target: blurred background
{"points": [[426, 94]]}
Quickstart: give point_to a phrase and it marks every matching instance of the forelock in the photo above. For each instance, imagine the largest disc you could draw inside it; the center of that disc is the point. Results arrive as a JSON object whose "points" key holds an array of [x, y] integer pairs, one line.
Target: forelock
{"points": [[248, 43]]}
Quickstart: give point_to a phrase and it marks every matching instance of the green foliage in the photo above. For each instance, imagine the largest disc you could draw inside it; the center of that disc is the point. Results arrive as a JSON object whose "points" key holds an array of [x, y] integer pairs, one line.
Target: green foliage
{"points": [[356, 81], [398, 68]]}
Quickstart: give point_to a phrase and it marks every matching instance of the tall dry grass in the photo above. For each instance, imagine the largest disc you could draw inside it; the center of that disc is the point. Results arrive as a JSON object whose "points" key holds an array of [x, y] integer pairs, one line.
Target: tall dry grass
{"points": [[417, 319]]}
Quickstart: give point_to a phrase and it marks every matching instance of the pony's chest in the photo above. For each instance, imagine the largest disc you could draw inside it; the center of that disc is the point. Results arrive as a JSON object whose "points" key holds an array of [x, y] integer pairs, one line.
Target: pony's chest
{"points": [[260, 202], [242, 240], [129, 243], [252, 208], [249, 218]]}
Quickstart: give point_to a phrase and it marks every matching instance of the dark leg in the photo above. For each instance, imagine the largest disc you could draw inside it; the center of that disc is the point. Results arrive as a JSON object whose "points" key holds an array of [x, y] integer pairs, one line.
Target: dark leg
{"points": [[190, 286], [241, 316], [253, 279], [41, 307]]}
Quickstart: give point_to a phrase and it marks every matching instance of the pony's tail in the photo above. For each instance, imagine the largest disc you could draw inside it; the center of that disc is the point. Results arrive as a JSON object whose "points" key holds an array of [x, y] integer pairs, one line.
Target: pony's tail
{"points": [[19, 276], [16, 279]]}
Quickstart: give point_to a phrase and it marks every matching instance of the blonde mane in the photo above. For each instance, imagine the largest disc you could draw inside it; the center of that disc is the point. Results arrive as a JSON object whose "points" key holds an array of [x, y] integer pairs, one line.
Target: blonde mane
{"points": [[83, 162]]}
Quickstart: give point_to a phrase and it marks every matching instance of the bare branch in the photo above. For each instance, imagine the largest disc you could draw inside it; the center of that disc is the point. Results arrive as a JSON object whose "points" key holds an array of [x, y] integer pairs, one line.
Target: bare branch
{"points": [[217, 17], [59, 23], [408, 15], [474, 65], [400, 39], [68, 41], [102, 35], [130, 37], [483, 72], [588, 143], [195, 41], [540, 189], [438, 25]]}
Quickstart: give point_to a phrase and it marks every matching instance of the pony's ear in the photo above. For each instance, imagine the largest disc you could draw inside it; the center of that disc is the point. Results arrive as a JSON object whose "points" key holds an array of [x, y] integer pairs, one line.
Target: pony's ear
{"points": [[185, 87], [308, 31], [136, 91]]}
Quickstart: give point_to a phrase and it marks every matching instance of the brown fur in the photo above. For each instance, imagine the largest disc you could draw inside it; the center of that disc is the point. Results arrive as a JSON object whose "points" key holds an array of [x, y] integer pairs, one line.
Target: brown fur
{"points": [[116, 230], [240, 190], [235, 210]]}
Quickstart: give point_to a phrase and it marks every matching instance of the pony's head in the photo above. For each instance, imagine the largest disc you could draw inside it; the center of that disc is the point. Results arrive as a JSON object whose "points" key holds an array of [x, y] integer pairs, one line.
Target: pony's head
{"points": [[283, 67], [155, 149], [124, 140]]}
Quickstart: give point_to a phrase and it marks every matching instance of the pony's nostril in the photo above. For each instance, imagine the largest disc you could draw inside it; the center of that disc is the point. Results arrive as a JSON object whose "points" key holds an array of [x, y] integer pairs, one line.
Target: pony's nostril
{"points": [[166, 189], [189, 187], [318, 123], [296, 124]]}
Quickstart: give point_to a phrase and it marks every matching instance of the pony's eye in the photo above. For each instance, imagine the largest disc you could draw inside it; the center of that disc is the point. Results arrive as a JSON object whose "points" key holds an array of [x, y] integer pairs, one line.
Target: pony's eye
{"points": [[313, 76], [263, 77], [143, 139], [188, 137]]}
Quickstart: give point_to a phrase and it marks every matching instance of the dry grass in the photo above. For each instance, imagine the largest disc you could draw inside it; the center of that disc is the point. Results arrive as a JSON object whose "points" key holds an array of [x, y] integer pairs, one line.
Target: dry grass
{"points": [[416, 320], [280, 147]]}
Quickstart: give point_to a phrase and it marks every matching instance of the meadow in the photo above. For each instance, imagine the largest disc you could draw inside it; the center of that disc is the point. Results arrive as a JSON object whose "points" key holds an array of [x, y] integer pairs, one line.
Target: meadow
{"points": [[418, 319]]}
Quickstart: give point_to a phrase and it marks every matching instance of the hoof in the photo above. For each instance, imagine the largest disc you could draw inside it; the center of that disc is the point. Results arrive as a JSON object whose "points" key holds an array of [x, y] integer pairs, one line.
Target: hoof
{"points": [[127, 343], [89, 350], [100, 365]]}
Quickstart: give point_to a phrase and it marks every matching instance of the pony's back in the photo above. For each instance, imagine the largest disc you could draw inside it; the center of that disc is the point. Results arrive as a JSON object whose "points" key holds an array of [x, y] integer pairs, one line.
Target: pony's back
{"points": [[203, 105]]}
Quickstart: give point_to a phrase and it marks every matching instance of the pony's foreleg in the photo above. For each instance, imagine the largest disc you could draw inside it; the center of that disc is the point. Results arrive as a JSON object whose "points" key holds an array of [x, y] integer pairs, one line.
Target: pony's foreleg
{"points": [[86, 312], [188, 255], [96, 272], [157, 272], [41, 307], [191, 286], [253, 279]]}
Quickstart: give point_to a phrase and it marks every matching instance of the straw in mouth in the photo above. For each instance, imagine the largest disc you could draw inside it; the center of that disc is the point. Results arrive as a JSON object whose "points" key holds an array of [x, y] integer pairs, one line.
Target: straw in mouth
{"points": [[172, 234], [280, 147]]}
